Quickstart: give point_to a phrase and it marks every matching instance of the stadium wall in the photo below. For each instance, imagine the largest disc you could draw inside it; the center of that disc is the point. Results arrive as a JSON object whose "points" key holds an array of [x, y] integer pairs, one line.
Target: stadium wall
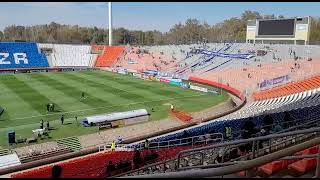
{"points": [[218, 85]]}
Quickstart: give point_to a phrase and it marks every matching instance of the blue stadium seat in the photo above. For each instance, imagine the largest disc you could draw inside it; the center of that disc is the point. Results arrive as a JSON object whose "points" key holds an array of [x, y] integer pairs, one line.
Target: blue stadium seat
{"points": [[21, 55]]}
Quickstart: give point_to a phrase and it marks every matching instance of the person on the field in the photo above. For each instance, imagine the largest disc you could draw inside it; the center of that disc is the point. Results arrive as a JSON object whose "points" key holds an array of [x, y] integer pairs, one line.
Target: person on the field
{"points": [[48, 125], [62, 119], [82, 95], [76, 117], [41, 124], [48, 107], [172, 107]]}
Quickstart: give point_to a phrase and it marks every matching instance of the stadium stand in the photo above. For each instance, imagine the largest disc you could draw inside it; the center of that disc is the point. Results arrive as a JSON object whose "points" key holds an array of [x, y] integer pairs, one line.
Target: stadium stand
{"points": [[298, 165], [64, 55], [21, 55], [109, 56], [229, 151], [142, 59], [291, 88], [97, 49], [293, 104]]}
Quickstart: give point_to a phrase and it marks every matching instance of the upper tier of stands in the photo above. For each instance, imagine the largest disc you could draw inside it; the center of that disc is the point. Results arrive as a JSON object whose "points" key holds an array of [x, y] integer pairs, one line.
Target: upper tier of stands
{"points": [[294, 61], [21, 55], [248, 78], [110, 55], [64, 55]]}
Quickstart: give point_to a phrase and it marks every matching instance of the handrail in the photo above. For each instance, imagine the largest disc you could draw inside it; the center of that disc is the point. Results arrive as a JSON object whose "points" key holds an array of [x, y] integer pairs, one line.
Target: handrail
{"points": [[192, 138], [249, 164], [235, 142], [270, 136], [265, 126]]}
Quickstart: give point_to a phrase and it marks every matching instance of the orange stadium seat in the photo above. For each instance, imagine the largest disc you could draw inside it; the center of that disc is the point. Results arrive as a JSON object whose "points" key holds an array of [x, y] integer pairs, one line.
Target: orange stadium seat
{"points": [[275, 166], [304, 165], [109, 56]]}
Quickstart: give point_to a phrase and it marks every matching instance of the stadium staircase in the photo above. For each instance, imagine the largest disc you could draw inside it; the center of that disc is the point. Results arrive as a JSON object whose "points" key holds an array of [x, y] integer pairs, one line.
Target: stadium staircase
{"points": [[71, 143], [109, 56], [183, 116]]}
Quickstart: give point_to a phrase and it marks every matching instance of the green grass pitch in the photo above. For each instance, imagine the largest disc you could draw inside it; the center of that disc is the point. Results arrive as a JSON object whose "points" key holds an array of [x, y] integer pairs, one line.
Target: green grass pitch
{"points": [[24, 98]]}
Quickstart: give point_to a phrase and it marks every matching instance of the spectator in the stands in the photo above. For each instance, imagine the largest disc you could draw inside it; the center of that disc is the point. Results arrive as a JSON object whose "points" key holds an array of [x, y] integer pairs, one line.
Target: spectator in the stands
{"points": [[119, 140], [234, 153], [287, 118], [248, 132], [268, 122], [150, 157], [146, 144], [120, 166], [113, 146], [220, 156], [56, 171], [127, 165], [110, 168], [137, 160], [277, 128]]}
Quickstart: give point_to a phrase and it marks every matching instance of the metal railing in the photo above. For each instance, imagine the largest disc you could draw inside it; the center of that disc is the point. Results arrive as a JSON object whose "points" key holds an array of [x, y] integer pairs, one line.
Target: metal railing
{"points": [[288, 139], [194, 140], [238, 166]]}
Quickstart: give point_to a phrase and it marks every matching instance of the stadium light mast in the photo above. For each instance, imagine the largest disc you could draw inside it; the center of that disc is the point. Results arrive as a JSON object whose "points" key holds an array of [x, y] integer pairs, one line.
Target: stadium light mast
{"points": [[110, 23]]}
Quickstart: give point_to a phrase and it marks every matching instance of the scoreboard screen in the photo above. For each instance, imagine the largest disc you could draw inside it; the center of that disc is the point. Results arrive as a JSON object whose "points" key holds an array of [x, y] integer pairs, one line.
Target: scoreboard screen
{"points": [[276, 27]]}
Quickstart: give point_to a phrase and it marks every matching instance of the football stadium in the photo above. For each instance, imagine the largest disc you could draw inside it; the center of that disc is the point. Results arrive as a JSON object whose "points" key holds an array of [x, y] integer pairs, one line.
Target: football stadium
{"points": [[206, 107]]}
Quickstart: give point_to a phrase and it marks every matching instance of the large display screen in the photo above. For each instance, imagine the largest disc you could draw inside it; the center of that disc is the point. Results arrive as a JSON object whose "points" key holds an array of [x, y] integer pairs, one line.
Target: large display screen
{"points": [[276, 27]]}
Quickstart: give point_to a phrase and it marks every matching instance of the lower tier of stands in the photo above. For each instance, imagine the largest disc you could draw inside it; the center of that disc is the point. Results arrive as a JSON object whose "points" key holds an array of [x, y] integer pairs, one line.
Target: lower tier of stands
{"points": [[21, 55]]}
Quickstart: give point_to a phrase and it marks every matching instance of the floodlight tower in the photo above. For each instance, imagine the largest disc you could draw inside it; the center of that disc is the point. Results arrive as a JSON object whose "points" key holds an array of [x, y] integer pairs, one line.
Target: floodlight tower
{"points": [[110, 23]]}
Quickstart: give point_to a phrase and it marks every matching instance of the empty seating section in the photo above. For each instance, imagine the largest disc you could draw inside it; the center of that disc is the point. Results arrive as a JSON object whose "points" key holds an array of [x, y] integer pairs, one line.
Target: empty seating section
{"points": [[21, 55], [290, 88], [239, 77], [285, 103], [300, 166], [178, 60], [139, 59], [109, 56], [64, 55]]}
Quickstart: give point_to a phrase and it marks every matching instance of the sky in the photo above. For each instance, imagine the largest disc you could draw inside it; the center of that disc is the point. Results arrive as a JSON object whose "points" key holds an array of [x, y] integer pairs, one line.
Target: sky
{"points": [[142, 15]]}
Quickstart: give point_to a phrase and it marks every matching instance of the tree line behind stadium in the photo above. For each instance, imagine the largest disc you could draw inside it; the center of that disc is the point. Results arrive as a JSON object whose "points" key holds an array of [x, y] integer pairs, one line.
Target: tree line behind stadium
{"points": [[191, 31]]}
